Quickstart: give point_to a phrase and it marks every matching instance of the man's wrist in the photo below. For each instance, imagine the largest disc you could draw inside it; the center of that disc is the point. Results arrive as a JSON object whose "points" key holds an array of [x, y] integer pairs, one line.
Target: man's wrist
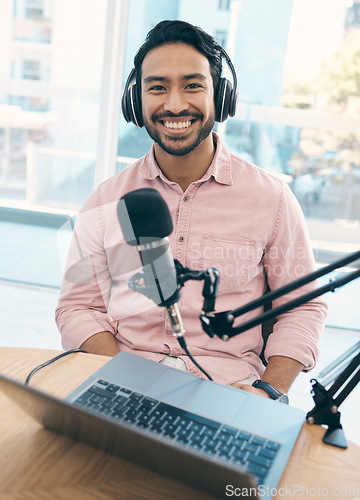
{"points": [[271, 391], [281, 371]]}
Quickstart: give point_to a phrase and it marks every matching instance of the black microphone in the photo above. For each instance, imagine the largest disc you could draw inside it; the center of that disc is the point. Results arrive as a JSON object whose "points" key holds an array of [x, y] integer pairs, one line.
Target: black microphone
{"points": [[145, 221]]}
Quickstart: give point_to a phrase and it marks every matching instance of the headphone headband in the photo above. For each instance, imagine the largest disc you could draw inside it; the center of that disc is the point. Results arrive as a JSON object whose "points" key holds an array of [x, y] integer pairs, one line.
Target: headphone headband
{"points": [[225, 97], [232, 69]]}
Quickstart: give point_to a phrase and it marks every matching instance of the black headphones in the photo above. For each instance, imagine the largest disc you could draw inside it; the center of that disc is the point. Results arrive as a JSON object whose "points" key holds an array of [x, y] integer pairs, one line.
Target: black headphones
{"points": [[225, 98]]}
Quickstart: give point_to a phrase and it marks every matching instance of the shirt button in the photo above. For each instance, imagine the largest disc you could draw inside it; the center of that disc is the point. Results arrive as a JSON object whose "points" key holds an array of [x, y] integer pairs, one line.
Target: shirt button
{"points": [[186, 198], [181, 239]]}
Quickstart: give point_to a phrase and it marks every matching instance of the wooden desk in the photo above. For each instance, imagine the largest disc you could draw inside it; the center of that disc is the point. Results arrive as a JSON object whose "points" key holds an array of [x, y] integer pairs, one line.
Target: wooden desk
{"points": [[36, 463]]}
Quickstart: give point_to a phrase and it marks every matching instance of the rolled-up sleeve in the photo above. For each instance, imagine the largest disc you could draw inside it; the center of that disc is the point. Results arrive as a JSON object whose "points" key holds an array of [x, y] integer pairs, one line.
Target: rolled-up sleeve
{"points": [[82, 308], [288, 257]]}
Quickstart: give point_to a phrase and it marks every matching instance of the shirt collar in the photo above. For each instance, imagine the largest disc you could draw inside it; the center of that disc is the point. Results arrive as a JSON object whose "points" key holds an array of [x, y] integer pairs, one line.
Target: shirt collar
{"points": [[219, 169]]}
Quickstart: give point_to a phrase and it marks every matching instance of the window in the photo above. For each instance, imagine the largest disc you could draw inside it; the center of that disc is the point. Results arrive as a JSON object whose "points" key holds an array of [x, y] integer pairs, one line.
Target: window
{"points": [[32, 21], [31, 70], [221, 37], [224, 4], [34, 9], [57, 83]]}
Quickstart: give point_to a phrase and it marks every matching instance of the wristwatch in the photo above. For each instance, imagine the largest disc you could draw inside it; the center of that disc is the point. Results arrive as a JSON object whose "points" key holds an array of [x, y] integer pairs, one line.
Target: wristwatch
{"points": [[273, 393]]}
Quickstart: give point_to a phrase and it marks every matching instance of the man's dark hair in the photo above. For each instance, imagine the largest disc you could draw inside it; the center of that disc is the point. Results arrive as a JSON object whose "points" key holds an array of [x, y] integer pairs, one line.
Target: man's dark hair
{"points": [[167, 32]]}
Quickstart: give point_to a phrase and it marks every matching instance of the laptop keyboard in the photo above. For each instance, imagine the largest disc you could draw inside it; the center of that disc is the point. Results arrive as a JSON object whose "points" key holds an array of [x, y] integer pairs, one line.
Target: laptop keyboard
{"points": [[249, 451]]}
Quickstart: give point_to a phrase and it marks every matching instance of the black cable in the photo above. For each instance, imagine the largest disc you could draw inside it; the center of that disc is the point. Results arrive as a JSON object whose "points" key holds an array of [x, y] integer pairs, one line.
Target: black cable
{"points": [[51, 361], [180, 339], [182, 343]]}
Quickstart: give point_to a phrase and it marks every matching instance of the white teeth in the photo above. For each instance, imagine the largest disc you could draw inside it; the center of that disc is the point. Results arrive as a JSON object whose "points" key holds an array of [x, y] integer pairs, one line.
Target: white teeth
{"points": [[177, 125]]}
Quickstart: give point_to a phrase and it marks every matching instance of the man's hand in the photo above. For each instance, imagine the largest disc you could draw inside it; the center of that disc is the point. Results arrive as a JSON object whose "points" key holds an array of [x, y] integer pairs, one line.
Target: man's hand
{"points": [[250, 388], [280, 373]]}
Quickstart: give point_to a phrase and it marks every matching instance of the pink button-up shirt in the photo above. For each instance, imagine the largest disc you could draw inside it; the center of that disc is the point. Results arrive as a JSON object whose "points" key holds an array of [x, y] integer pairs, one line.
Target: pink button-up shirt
{"points": [[238, 218]]}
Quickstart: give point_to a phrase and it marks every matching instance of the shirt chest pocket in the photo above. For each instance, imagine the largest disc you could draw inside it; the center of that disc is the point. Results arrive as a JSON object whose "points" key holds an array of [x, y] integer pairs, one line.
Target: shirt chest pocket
{"points": [[238, 260]]}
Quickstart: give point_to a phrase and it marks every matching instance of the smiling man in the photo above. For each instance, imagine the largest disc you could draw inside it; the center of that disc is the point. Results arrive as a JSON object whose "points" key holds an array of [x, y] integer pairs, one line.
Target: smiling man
{"points": [[226, 213], [178, 110]]}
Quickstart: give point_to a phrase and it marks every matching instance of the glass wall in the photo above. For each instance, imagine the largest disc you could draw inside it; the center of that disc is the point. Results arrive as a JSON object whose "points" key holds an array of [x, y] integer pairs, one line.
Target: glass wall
{"points": [[298, 115], [50, 77]]}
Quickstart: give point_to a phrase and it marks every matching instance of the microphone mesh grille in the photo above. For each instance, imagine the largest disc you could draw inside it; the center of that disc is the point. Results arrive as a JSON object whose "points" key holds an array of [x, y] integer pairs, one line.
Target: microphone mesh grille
{"points": [[148, 213]]}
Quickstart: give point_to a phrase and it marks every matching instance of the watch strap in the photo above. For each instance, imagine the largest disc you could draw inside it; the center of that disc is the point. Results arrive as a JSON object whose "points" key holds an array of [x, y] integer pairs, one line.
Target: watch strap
{"points": [[270, 389]]}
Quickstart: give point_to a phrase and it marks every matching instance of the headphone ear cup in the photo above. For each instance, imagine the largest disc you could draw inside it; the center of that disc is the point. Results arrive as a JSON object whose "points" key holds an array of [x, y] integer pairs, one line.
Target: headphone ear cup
{"points": [[223, 100], [125, 105], [131, 106], [137, 116], [233, 101]]}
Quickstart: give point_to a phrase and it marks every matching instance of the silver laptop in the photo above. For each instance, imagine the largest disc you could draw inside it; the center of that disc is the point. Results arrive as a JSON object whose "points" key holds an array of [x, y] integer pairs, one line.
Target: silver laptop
{"points": [[214, 437]]}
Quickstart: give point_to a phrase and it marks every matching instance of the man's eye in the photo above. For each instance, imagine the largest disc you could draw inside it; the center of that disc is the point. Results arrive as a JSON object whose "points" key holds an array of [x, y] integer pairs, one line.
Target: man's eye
{"points": [[193, 86], [157, 87]]}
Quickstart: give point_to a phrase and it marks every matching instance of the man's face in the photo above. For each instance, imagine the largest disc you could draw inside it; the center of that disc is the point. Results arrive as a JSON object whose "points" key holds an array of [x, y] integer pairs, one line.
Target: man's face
{"points": [[177, 97]]}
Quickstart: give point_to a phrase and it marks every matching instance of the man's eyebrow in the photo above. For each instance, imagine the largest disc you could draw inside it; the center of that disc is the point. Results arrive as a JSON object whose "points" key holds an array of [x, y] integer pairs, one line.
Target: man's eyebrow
{"points": [[150, 79], [193, 76]]}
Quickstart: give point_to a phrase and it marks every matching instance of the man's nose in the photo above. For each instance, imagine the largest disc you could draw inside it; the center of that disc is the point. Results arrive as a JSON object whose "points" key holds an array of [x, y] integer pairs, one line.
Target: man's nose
{"points": [[176, 102]]}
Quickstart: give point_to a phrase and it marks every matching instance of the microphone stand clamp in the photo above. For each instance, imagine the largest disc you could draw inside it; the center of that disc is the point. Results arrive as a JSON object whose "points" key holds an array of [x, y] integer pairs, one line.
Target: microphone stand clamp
{"points": [[327, 401]]}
